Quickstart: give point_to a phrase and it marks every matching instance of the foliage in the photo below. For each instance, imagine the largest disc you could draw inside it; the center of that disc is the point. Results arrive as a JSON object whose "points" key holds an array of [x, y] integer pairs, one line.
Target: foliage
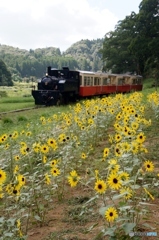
{"points": [[5, 75], [86, 52], [32, 64], [133, 46]]}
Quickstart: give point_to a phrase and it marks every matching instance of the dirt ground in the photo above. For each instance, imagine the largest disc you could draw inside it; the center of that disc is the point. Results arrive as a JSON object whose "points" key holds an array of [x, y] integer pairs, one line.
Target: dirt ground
{"points": [[64, 222]]}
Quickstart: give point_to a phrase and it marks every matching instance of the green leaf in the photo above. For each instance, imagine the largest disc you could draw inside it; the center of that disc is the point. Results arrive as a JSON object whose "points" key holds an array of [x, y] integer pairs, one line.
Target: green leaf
{"points": [[144, 203], [148, 226], [103, 209], [119, 196], [8, 234], [37, 217], [128, 227], [91, 227], [1, 219], [110, 231]]}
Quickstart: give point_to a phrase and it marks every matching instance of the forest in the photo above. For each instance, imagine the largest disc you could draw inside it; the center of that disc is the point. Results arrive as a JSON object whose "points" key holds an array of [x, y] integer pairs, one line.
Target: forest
{"points": [[133, 47]]}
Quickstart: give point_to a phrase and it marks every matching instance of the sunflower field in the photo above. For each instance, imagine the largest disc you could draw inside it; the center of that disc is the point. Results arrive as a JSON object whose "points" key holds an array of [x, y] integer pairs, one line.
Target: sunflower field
{"points": [[99, 147]]}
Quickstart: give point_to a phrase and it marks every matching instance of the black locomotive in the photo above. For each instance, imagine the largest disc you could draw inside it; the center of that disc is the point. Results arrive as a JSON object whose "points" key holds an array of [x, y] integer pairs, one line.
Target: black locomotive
{"points": [[57, 87]]}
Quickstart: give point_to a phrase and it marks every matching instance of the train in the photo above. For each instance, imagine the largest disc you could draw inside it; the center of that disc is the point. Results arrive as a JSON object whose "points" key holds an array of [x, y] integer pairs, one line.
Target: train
{"points": [[62, 86]]}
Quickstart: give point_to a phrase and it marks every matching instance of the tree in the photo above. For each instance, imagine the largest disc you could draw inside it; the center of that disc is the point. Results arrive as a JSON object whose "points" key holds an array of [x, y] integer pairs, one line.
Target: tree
{"points": [[146, 44], [115, 53], [5, 75]]}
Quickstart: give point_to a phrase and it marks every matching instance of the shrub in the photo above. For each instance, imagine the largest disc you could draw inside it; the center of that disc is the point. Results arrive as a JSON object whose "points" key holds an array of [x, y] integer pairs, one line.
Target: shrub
{"points": [[7, 120], [3, 94]]}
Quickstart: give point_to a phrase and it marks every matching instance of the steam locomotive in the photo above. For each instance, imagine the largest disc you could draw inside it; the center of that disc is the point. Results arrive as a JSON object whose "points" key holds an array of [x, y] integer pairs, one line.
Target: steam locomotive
{"points": [[64, 86]]}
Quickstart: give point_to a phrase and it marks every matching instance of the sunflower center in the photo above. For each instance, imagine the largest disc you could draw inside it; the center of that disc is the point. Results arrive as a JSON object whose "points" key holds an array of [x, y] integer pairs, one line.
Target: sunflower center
{"points": [[0, 175], [115, 180], [15, 191], [110, 214], [100, 186], [148, 166]]}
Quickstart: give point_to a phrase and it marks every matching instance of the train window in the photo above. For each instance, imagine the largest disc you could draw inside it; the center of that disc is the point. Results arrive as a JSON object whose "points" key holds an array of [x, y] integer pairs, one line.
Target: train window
{"points": [[81, 80], [134, 81], [85, 81], [88, 81], [106, 81], [121, 81], [138, 81], [91, 81], [96, 81]]}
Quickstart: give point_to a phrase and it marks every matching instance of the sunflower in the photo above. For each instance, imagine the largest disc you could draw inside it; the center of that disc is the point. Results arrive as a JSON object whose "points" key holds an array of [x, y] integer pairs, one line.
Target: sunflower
{"points": [[28, 134], [100, 186], [21, 180], [15, 190], [134, 147], [47, 179], [119, 116], [73, 179], [16, 158], [83, 156], [106, 152], [118, 137], [44, 159], [125, 147], [150, 195], [23, 144], [124, 176], [15, 135], [2, 176], [112, 161], [149, 166], [127, 192], [114, 168], [53, 163], [1, 194], [111, 214], [55, 171], [117, 150], [134, 125], [23, 150], [140, 138], [90, 121], [44, 148], [16, 169], [114, 181], [62, 138], [52, 143], [7, 146], [36, 147]]}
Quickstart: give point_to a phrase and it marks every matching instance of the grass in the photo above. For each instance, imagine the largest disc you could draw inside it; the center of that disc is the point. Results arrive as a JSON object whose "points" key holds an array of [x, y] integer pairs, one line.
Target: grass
{"points": [[18, 120]]}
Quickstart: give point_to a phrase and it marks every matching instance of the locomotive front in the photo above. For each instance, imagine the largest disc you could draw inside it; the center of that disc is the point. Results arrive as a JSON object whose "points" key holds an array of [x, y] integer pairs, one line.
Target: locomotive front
{"points": [[57, 87]]}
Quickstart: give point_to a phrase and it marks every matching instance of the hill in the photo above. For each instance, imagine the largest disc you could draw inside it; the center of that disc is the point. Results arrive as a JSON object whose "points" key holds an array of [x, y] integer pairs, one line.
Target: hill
{"points": [[83, 55]]}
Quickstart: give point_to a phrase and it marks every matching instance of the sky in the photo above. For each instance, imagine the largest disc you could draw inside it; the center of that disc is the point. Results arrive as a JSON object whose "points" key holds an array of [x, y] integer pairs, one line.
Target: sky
{"points": [[32, 24]]}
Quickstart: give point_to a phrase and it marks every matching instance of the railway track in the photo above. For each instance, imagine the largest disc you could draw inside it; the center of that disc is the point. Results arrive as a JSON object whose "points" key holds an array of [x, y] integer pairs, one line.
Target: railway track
{"points": [[20, 110]]}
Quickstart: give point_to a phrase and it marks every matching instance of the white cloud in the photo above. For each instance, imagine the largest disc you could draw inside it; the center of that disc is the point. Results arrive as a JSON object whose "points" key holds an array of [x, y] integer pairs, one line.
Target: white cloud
{"points": [[30, 24]]}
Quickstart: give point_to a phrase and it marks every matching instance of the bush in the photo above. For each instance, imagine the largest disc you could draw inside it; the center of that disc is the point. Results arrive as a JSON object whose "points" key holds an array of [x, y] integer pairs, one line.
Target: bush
{"points": [[22, 119], [3, 94], [7, 120]]}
